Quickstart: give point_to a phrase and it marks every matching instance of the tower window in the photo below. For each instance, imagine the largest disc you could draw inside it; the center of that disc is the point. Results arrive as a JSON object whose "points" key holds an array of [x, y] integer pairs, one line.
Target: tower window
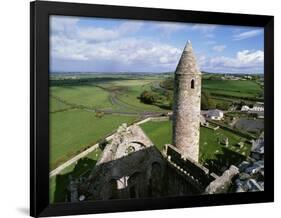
{"points": [[192, 84]]}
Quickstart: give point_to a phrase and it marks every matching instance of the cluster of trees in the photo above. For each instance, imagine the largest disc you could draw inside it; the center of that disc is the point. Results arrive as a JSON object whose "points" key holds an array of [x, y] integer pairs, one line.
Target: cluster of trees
{"points": [[167, 84], [149, 97], [164, 100]]}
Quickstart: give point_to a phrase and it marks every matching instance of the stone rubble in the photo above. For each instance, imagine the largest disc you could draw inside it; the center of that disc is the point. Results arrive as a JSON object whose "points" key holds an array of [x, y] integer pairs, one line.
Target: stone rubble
{"points": [[251, 177]]}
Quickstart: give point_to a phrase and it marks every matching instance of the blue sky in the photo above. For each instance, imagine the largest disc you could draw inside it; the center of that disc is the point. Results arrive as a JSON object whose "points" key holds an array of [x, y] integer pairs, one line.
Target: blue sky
{"points": [[111, 45]]}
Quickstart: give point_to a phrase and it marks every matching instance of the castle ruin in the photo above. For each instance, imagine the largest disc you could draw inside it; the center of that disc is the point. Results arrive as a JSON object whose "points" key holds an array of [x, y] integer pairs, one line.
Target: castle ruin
{"points": [[130, 165]]}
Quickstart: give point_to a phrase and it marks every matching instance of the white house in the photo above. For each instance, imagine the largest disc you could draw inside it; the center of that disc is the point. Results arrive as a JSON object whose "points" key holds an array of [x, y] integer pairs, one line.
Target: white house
{"points": [[258, 107], [215, 114], [245, 108]]}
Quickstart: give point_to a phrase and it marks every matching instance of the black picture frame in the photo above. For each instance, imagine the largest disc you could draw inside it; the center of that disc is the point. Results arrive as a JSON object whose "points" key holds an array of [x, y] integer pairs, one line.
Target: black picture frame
{"points": [[39, 107]]}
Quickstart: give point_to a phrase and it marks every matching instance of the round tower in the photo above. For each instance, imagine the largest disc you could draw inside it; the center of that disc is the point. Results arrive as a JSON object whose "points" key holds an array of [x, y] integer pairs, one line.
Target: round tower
{"points": [[187, 100]]}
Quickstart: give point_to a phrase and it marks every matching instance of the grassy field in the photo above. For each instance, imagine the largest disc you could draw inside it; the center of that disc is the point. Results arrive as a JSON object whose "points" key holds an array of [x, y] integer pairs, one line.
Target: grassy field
{"points": [[85, 95], [130, 91], [161, 133], [74, 130], [210, 148], [98, 95], [58, 183], [130, 97], [71, 131], [56, 105], [237, 88]]}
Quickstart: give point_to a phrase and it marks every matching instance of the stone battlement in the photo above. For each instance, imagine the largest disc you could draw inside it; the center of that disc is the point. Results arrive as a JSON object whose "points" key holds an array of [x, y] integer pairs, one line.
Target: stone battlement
{"points": [[192, 169]]}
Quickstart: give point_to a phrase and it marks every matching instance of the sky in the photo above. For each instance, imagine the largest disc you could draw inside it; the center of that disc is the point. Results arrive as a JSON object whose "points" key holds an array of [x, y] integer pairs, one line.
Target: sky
{"points": [[79, 44]]}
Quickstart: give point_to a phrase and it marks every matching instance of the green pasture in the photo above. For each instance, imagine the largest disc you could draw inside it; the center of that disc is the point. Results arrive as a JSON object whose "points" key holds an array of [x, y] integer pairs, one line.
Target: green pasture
{"points": [[56, 105], [85, 95], [130, 97], [71, 131], [115, 95], [161, 133], [74, 130], [236, 88]]}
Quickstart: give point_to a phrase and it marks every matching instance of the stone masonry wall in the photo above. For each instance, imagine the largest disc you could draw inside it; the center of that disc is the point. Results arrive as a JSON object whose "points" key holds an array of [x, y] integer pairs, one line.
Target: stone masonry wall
{"points": [[186, 113]]}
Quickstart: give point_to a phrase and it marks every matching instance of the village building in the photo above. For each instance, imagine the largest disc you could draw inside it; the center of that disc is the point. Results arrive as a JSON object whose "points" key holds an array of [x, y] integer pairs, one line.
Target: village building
{"points": [[245, 108], [259, 106], [215, 114]]}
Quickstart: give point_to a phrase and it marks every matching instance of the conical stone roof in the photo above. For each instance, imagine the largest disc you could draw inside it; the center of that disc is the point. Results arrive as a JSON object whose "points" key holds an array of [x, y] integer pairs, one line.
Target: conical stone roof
{"points": [[187, 63]]}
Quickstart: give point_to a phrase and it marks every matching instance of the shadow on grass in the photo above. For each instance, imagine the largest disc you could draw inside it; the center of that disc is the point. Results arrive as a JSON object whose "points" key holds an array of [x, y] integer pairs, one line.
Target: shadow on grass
{"points": [[83, 166], [223, 160]]}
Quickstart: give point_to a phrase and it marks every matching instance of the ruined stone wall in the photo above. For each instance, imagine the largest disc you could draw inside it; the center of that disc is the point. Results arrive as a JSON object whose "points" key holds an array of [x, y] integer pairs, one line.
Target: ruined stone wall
{"points": [[131, 167], [142, 174], [194, 172]]}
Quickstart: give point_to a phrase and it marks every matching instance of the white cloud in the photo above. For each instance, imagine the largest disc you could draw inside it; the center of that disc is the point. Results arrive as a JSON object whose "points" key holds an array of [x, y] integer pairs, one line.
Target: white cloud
{"points": [[247, 34], [170, 27], [94, 45], [209, 35], [219, 48], [244, 61], [62, 24], [111, 44], [210, 42], [204, 28], [247, 56], [68, 27], [103, 34], [126, 51], [98, 34], [129, 27]]}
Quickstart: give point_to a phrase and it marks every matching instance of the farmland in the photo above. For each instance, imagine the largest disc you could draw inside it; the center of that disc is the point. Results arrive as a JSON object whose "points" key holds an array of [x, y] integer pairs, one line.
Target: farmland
{"points": [[74, 130], [84, 109], [56, 105], [232, 88], [74, 120], [74, 104], [88, 96]]}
